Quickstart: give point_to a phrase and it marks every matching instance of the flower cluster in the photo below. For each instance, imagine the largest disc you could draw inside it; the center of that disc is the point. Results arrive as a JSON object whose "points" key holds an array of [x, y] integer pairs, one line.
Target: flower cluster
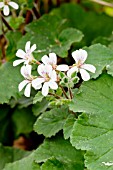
{"points": [[5, 5], [80, 57], [48, 71]]}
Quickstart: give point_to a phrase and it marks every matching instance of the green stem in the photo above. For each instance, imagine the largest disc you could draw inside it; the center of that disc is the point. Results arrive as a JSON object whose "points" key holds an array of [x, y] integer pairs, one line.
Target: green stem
{"points": [[55, 95], [70, 93], [64, 92], [6, 23]]}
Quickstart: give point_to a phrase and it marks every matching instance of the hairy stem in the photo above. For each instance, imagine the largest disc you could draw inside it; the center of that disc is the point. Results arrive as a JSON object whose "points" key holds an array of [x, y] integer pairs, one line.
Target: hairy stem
{"points": [[64, 92], [55, 95], [70, 93], [6, 23], [37, 62]]}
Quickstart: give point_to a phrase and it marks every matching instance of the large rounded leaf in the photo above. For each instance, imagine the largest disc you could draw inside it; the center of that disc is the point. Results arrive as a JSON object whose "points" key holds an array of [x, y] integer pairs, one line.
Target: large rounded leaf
{"points": [[10, 77], [93, 131]]}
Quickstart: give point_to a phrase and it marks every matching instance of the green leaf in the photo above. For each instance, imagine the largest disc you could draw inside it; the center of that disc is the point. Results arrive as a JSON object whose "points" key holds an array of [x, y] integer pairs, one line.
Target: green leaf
{"points": [[38, 97], [100, 56], [15, 22], [59, 152], [12, 37], [52, 164], [35, 166], [68, 126], [109, 68], [60, 102], [23, 121], [51, 34], [10, 77], [93, 130], [65, 40], [23, 164], [103, 40], [8, 154], [90, 23], [50, 122], [40, 107], [22, 102]]}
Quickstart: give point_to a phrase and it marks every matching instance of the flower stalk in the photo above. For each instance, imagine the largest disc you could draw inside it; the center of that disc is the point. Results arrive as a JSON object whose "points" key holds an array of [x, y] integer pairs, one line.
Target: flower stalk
{"points": [[6, 23]]}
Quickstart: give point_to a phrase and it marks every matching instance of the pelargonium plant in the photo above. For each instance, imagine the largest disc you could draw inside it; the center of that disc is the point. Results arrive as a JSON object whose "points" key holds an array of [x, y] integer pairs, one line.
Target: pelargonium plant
{"points": [[56, 84]]}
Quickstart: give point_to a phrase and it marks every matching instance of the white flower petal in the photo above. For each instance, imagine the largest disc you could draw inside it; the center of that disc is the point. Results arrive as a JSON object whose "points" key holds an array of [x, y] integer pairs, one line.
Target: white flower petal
{"points": [[53, 75], [45, 59], [36, 87], [17, 62], [53, 58], [41, 70], [14, 5], [44, 70], [84, 74], [79, 56], [33, 48], [48, 69], [27, 46], [22, 84], [21, 54], [38, 81], [89, 67], [23, 70], [1, 4], [26, 62], [6, 10], [53, 85], [45, 89], [62, 67], [26, 71], [71, 71], [27, 90]]}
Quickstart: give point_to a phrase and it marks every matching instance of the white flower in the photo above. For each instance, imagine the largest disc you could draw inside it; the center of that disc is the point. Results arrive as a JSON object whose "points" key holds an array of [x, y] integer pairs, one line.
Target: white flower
{"points": [[80, 56], [5, 5], [26, 73], [52, 60], [26, 57], [48, 78]]}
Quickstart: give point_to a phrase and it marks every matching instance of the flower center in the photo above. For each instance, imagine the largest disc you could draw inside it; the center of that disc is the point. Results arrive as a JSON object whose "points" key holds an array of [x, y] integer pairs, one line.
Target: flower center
{"points": [[47, 78], [29, 57], [79, 64]]}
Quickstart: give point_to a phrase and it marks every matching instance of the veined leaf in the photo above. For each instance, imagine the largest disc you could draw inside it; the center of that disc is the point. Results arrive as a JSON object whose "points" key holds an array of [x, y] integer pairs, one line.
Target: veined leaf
{"points": [[59, 153], [90, 23], [68, 126], [9, 154], [50, 122], [10, 77], [100, 56], [23, 164], [51, 34], [12, 37], [40, 107], [52, 164], [93, 130]]}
